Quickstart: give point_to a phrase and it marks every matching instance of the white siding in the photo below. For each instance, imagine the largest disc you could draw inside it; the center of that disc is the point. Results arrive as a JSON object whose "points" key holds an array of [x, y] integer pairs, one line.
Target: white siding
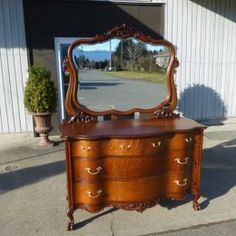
{"points": [[13, 68], [204, 33]]}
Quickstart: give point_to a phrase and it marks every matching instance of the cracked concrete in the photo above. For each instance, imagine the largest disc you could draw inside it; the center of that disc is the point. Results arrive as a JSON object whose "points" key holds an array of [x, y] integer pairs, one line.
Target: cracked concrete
{"points": [[112, 224], [225, 228]]}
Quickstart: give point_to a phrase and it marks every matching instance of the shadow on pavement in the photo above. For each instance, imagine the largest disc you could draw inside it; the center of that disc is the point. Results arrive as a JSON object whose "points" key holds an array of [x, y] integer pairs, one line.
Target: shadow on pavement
{"points": [[19, 178], [218, 171], [218, 174], [87, 221], [94, 85], [33, 153]]}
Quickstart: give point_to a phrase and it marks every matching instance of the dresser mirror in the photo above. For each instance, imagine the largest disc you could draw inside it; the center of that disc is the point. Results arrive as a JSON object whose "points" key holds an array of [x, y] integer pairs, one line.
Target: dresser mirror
{"points": [[120, 72]]}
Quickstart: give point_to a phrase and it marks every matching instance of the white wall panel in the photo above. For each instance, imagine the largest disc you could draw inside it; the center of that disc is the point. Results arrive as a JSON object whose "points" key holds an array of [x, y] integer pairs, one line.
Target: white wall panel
{"points": [[204, 34], [13, 68]]}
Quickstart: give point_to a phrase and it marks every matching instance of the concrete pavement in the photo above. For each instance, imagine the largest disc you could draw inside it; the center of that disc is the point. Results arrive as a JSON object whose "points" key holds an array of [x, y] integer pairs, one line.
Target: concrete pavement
{"points": [[123, 94], [225, 228], [33, 190]]}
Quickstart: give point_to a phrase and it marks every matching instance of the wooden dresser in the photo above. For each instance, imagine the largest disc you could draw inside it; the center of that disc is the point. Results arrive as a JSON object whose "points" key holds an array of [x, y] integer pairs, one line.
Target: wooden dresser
{"points": [[128, 163], [131, 164]]}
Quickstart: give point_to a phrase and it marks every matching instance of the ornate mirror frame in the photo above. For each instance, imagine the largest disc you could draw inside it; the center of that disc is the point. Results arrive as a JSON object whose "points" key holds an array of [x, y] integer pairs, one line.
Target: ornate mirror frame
{"points": [[75, 109]]}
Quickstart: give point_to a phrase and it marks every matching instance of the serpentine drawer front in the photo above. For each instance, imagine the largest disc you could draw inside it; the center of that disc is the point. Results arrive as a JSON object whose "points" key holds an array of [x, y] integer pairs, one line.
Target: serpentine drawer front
{"points": [[137, 190], [132, 166], [130, 147]]}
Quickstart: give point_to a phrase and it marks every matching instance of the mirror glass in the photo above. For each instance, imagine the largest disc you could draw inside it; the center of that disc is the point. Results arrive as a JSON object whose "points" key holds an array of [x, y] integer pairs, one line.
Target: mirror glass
{"points": [[121, 74]]}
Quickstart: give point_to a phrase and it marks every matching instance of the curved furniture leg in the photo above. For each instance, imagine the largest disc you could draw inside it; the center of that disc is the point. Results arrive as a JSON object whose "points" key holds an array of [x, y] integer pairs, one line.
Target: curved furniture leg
{"points": [[196, 205], [70, 224]]}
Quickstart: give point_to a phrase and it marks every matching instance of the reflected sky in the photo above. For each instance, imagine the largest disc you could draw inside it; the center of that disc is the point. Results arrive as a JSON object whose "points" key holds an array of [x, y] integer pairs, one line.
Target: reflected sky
{"points": [[112, 45]]}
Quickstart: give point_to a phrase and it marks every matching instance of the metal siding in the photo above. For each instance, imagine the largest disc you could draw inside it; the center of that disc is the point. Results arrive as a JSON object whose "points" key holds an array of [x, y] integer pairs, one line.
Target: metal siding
{"points": [[203, 32], [13, 68]]}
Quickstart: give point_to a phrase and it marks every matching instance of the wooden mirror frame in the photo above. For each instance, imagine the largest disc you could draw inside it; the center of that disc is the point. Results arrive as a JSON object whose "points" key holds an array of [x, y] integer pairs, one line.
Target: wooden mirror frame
{"points": [[74, 108]]}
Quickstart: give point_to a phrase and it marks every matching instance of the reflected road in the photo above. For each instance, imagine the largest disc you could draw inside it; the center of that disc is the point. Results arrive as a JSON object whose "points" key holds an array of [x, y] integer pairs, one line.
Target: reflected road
{"points": [[99, 91]]}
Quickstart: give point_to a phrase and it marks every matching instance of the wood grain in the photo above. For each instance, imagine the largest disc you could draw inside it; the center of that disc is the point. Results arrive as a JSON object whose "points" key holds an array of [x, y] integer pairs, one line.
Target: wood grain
{"points": [[136, 163], [128, 128], [132, 146], [162, 186], [123, 168]]}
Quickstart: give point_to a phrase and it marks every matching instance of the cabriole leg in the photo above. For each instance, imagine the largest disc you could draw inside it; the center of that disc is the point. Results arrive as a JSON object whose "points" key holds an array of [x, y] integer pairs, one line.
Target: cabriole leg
{"points": [[70, 224], [196, 205]]}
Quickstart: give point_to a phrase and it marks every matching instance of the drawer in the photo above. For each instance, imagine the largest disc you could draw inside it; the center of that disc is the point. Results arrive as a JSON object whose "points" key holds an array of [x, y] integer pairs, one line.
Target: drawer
{"points": [[106, 147], [131, 147], [125, 147], [182, 141], [88, 148], [168, 185], [131, 167]]}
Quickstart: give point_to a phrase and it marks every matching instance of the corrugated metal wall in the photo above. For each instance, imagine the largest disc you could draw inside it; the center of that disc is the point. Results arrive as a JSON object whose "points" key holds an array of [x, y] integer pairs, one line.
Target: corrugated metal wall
{"points": [[13, 68], [204, 33]]}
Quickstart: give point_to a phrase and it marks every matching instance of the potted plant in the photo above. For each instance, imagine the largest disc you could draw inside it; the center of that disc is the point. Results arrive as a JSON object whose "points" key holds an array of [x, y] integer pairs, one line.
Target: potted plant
{"points": [[40, 99]]}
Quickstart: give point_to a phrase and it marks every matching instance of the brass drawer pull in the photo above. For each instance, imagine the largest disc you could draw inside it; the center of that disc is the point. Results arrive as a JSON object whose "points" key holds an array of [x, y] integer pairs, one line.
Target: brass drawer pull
{"points": [[186, 159], [123, 147], [98, 169], [158, 144], [99, 192], [181, 184], [86, 148], [188, 140]]}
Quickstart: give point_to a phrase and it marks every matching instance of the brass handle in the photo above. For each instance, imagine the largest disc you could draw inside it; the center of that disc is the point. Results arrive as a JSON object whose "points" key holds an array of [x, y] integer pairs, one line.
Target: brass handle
{"points": [[99, 192], [125, 147], [86, 148], [188, 140], [182, 162], [158, 144], [181, 184], [98, 169]]}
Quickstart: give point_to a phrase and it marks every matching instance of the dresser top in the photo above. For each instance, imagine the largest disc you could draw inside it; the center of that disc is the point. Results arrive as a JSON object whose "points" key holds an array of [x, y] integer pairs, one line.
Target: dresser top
{"points": [[127, 128]]}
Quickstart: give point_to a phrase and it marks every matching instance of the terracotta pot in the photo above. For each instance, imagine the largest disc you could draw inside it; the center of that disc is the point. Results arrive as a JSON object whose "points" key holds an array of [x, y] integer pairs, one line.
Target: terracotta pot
{"points": [[43, 127]]}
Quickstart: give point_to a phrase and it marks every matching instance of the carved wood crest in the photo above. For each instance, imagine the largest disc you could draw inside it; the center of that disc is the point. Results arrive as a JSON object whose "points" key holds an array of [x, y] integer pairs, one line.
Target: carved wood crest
{"points": [[124, 31], [83, 118]]}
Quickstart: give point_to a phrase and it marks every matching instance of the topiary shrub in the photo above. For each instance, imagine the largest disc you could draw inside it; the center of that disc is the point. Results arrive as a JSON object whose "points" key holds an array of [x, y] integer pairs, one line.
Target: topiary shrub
{"points": [[40, 93]]}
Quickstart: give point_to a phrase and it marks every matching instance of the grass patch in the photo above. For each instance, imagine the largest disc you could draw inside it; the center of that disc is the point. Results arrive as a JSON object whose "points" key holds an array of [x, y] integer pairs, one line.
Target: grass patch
{"points": [[154, 77]]}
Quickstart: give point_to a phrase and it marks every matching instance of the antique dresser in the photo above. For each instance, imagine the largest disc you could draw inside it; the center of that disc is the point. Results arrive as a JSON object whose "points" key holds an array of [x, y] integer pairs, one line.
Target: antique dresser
{"points": [[131, 156]]}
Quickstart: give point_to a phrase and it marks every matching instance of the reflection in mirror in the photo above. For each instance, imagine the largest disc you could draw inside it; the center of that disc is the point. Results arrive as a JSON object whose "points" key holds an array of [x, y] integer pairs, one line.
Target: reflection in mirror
{"points": [[121, 74]]}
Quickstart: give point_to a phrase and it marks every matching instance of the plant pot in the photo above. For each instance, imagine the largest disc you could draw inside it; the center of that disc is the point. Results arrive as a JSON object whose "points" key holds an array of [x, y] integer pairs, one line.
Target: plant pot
{"points": [[43, 127]]}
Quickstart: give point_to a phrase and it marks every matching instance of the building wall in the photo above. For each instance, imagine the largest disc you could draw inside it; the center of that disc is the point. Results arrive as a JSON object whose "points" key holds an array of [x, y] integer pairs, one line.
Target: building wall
{"points": [[13, 68], [204, 33], [82, 19]]}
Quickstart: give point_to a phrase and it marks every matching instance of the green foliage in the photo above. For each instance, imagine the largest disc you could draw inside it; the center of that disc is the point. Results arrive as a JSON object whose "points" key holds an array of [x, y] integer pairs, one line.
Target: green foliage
{"points": [[133, 55], [148, 64], [128, 50], [40, 93]]}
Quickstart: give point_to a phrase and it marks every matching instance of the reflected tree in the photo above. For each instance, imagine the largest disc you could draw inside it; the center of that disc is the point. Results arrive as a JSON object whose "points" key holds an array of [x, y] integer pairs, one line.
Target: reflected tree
{"points": [[128, 52]]}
